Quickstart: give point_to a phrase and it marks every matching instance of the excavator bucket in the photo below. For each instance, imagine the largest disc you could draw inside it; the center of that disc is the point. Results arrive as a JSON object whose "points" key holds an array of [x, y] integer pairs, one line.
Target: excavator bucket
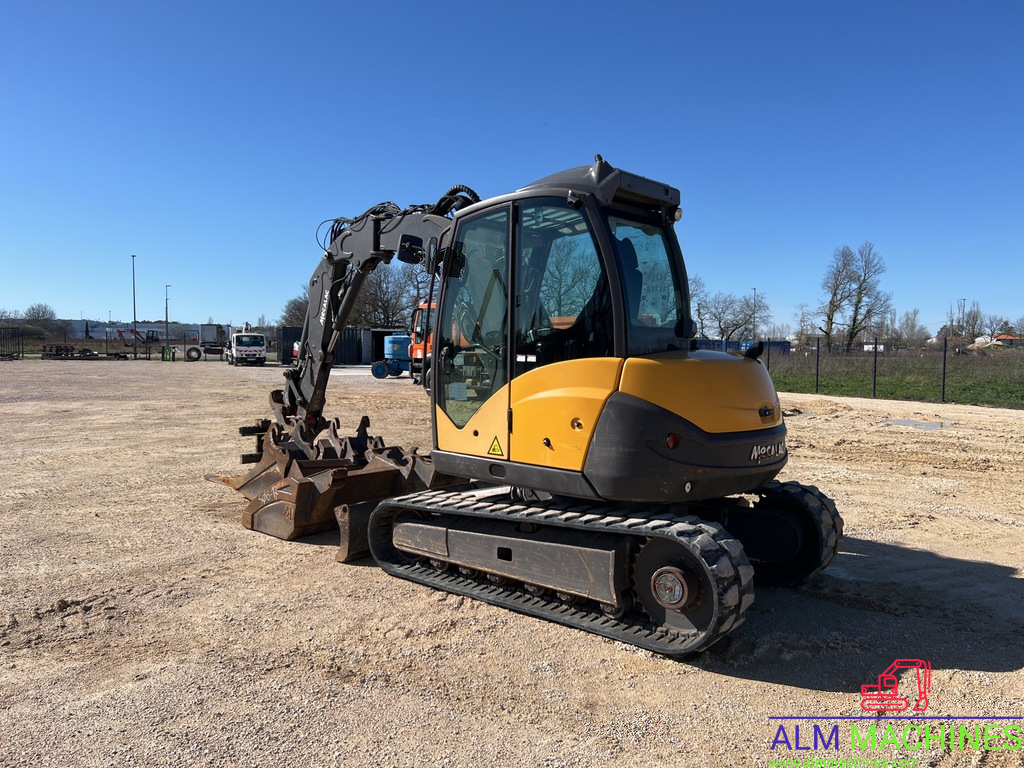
{"points": [[291, 495]]}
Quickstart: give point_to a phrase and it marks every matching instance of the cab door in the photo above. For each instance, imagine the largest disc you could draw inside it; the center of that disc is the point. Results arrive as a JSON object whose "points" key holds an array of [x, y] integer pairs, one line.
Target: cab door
{"points": [[471, 354], [563, 336]]}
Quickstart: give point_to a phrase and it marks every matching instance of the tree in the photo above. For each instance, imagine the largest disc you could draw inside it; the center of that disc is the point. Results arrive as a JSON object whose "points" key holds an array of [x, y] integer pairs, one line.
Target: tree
{"points": [[854, 300], [40, 314], [908, 331], [837, 286], [725, 315], [807, 325], [387, 298], [993, 325], [294, 312], [698, 305], [973, 323]]}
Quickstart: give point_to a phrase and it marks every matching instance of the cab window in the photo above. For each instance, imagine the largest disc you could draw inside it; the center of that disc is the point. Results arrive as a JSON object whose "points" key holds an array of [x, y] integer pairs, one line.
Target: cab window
{"points": [[472, 349], [563, 306]]}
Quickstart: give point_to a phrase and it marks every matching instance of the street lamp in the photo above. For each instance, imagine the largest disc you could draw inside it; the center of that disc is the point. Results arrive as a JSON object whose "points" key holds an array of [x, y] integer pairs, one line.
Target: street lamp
{"points": [[135, 322], [167, 327]]}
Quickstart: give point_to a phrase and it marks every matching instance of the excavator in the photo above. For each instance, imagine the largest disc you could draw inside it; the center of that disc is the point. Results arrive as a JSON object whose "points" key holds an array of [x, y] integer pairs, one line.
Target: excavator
{"points": [[590, 465]]}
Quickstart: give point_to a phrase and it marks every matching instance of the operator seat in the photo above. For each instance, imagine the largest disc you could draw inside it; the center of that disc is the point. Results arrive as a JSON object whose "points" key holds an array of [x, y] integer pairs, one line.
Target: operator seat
{"points": [[632, 277]]}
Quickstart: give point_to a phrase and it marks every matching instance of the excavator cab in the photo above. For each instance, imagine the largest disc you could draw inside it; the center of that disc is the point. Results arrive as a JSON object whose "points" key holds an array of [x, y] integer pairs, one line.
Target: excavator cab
{"points": [[563, 352]]}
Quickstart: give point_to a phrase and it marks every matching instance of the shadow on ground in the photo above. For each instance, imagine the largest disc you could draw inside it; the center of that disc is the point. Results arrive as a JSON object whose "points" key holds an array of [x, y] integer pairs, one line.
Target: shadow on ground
{"points": [[876, 603]]}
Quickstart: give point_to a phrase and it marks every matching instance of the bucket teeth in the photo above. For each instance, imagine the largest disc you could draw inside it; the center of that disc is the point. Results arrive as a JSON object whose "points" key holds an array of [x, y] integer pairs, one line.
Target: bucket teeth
{"points": [[291, 495]]}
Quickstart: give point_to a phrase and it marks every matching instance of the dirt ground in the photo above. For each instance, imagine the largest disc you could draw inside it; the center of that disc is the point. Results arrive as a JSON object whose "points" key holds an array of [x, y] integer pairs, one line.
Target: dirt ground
{"points": [[141, 625]]}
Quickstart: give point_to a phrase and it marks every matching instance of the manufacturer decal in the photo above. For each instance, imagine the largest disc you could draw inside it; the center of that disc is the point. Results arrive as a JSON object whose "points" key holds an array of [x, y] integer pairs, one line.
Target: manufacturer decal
{"points": [[323, 307], [772, 451]]}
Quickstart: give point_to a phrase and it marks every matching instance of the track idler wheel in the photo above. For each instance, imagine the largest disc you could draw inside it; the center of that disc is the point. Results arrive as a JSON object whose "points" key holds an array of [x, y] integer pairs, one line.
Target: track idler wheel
{"points": [[791, 533]]}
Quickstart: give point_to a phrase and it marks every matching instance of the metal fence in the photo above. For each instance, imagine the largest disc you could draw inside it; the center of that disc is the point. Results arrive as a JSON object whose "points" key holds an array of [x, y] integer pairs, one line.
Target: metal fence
{"points": [[12, 344], [948, 371]]}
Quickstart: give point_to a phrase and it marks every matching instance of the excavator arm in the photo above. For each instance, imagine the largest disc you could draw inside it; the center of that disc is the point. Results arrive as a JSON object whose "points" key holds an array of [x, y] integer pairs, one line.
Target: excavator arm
{"points": [[307, 472], [358, 246]]}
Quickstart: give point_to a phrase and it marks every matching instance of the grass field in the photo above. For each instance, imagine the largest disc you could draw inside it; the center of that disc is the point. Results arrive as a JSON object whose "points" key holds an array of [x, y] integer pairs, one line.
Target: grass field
{"points": [[993, 376]]}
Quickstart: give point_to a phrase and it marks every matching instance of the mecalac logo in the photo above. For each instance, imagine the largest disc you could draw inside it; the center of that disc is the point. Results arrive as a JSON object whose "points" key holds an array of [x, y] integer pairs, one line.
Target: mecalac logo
{"points": [[323, 307], [772, 451]]}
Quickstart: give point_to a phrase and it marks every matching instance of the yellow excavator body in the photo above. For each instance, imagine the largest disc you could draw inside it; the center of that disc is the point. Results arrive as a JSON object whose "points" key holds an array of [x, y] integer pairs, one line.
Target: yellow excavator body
{"points": [[591, 465]]}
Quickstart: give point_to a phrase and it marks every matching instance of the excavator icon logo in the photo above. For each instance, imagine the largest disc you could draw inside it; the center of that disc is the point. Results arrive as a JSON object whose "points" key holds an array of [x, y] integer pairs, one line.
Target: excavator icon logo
{"points": [[884, 696]]}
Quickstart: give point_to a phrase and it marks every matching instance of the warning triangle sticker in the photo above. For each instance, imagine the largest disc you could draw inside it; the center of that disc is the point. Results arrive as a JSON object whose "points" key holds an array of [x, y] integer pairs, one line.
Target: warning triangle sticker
{"points": [[495, 449]]}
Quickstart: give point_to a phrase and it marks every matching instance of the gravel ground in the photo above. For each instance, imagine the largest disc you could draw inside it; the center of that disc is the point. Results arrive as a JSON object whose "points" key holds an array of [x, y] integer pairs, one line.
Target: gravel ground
{"points": [[141, 625]]}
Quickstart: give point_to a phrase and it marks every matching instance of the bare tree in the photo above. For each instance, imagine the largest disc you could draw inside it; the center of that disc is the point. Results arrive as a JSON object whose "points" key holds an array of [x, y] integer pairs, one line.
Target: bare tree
{"points": [[869, 304], [854, 300], [42, 316], [294, 312], [953, 326], [698, 305], [909, 331], [973, 323], [385, 299], [837, 284], [726, 315], [40, 313], [993, 325], [417, 280], [806, 320]]}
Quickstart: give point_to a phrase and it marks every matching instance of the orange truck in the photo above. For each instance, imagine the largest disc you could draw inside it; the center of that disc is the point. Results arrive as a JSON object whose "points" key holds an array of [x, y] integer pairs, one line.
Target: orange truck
{"points": [[422, 342]]}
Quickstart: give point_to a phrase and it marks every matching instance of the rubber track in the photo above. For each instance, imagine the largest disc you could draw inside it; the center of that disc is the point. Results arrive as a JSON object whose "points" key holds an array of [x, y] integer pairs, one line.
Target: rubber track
{"points": [[820, 508], [721, 554]]}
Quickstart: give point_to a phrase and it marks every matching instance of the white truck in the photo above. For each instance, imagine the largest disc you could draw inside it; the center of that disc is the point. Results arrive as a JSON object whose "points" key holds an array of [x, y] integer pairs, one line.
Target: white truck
{"points": [[245, 347]]}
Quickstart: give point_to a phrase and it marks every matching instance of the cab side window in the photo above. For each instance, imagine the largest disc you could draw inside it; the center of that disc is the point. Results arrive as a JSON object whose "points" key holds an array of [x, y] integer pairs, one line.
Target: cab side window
{"points": [[563, 306]]}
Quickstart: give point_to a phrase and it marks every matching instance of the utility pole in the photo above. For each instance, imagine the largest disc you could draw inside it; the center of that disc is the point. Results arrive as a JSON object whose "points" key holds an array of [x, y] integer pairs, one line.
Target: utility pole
{"points": [[960, 341], [135, 321], [167, 325], [753, 318]]}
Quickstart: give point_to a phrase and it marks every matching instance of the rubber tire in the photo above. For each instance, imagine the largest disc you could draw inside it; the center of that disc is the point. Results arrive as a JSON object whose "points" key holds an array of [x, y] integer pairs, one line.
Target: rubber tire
{"points": [[193, 353], [379, 370]]}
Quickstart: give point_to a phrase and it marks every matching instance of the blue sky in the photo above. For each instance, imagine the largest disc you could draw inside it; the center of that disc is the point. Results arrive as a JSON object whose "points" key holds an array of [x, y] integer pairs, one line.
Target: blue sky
{"points": [[211, 138]]}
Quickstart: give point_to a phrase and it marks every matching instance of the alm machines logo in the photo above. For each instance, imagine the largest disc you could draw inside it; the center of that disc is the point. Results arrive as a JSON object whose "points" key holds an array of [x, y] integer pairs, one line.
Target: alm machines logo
{"points": [[882, 731], [884, 695]]}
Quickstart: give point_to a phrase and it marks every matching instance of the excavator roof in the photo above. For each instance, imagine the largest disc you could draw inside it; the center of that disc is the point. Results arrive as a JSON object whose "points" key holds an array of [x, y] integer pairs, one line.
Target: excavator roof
{"points": [[608, 184]]}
